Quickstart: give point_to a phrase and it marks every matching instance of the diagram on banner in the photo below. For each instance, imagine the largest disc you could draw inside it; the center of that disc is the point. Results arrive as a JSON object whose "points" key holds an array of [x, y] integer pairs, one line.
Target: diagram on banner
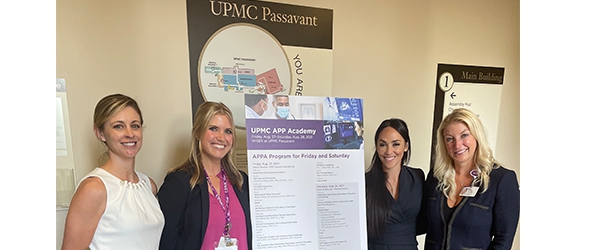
{"points": [[242, 59]]}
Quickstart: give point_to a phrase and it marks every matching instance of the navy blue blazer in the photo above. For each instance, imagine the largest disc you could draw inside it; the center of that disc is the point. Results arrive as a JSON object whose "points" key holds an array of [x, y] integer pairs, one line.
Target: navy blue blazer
{"points": [[486, 221], [186, 211], [403, 224]]}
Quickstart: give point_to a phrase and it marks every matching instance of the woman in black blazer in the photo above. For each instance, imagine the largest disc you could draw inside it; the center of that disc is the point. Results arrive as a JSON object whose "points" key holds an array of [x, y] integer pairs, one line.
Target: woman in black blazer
{"points": [[472, 201], [394, 191], [205, 200]]}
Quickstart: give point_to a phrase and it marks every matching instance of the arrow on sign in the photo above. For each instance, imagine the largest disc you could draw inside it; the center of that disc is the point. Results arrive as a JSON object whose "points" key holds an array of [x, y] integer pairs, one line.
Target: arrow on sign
{"points": [[452, 95]]}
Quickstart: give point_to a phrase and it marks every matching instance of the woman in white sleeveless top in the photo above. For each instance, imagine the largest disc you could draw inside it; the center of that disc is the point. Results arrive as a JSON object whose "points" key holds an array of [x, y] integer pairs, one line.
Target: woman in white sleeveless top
{"points": [[114, 206]]}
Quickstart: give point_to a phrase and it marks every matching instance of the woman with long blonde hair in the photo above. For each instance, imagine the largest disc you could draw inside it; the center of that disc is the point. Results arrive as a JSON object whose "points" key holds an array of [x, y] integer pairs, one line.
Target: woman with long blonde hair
{"points": [[473, 202], [205, 200]]}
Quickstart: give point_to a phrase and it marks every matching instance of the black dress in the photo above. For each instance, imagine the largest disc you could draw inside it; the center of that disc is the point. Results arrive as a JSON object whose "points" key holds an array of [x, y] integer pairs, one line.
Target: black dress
{"points": [[401, 227]]}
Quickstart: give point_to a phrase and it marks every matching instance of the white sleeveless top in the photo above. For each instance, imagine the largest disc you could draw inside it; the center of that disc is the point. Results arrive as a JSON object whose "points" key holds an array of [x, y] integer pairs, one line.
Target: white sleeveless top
{"points": [[132, 219]]}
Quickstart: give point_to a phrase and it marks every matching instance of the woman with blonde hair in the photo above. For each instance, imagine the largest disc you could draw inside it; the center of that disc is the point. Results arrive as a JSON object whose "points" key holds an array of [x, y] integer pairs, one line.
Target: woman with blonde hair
{"points": [[205, 200], [472, 201], [115, 206]]}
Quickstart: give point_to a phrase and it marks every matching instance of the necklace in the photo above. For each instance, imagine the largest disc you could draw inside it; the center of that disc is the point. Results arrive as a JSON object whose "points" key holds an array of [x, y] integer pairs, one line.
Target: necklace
{"points": [[474, 173]]}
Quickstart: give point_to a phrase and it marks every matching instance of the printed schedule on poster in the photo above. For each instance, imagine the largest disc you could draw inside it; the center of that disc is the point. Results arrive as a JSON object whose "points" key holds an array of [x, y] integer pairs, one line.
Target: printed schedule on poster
{"points": [[306, 176]]}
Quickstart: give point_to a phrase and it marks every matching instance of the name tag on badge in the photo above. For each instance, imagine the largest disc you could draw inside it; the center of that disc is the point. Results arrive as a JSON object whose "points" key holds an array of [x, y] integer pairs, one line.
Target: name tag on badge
{"points": [[469, 191], [222, 244]]}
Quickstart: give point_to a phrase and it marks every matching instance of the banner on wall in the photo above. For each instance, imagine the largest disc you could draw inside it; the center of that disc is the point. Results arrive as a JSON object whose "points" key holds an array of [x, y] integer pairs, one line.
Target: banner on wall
{"points": [[307, 184], [476, 88], [256, 47]]}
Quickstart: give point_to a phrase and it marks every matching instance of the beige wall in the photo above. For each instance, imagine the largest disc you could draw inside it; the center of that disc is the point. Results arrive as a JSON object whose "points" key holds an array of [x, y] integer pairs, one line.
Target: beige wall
{"points": [[384, 51]]}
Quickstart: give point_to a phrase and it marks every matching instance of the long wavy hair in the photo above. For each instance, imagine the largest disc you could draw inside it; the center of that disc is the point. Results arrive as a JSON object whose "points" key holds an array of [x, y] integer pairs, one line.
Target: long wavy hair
{"points": [[193, 165], [378, 208], [483, 158]]}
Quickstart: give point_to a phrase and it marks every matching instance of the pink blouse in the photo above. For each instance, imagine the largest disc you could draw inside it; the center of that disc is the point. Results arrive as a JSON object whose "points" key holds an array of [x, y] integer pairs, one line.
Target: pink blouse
{"points": [[217, 220]]}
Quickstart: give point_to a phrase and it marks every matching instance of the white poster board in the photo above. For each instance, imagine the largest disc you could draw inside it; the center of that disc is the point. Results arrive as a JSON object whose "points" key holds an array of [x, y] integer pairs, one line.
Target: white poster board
{"points": [[307, 184]]}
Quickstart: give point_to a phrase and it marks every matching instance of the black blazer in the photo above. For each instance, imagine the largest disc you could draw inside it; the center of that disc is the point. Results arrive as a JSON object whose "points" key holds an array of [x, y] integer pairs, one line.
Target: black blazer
{"points": [[486, 221], [186, 211]]}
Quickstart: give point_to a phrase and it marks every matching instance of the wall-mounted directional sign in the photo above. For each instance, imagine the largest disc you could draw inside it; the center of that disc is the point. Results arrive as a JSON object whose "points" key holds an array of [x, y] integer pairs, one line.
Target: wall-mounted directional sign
{"points": [[476, 88]]}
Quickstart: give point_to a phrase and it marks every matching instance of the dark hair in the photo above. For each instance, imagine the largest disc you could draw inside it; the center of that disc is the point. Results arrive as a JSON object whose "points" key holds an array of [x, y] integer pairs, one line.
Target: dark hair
{"points": [[278, 96], [378, 208], [400, 126], [251, 100]]}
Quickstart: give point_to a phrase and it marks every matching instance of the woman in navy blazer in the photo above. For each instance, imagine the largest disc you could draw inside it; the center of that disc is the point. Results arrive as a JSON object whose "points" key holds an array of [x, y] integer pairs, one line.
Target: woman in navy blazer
{"points": [[472, 201], [394, 191]]}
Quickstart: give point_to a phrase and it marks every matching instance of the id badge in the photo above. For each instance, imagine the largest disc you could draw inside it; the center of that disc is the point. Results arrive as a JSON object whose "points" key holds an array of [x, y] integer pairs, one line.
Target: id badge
{"points": [[469, 191], [223, 246]]}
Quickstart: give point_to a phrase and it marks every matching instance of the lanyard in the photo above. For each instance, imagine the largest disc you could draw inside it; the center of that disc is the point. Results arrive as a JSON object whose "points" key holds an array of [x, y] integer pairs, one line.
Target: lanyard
{"points": [[225, 208]]}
